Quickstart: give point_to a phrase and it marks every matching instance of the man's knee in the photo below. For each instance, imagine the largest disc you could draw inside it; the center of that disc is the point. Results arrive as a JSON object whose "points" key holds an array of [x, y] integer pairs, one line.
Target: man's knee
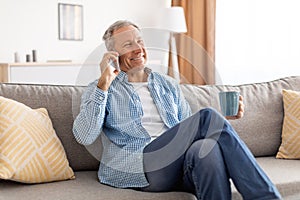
{"points": [[209, 111], [211, 114]]}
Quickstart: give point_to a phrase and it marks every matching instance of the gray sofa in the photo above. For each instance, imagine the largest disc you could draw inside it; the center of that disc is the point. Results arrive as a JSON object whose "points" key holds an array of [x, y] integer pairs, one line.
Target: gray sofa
{"points": [[260, 128]]}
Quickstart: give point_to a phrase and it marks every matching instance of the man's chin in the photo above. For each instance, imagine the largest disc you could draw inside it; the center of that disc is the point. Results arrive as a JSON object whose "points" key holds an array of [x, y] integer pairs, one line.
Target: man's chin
{"points": [[136, 68]]}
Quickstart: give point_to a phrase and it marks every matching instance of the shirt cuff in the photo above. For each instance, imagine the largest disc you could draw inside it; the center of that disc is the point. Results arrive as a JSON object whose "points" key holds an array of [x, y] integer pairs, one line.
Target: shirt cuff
{"points": [[99, 96]]}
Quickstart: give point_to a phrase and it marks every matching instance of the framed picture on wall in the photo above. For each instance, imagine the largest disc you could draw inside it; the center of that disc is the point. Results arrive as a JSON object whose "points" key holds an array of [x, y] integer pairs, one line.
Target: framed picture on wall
{"points": [[70, 20]]}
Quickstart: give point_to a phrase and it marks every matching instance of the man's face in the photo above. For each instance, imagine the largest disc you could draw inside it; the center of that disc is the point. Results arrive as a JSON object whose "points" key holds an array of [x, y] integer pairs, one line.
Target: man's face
{"points": [[130, 46]]}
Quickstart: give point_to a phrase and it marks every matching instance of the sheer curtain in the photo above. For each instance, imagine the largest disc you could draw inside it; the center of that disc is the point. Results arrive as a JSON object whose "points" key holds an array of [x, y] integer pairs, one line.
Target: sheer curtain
{"points": [[196, 48], [257, 40]]}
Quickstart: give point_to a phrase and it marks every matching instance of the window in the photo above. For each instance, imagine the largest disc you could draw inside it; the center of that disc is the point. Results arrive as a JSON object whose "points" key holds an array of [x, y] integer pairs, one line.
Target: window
{"points": [[257, 40]]}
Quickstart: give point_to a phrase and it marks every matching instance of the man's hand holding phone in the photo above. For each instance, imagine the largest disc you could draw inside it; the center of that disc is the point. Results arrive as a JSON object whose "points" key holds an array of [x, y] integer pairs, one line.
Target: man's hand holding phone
{"points": [[110, 58], [109, 69]]}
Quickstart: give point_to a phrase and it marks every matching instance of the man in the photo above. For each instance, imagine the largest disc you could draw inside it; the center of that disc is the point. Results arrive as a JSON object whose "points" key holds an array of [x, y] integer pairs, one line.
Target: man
{"points": [[151, 141]]}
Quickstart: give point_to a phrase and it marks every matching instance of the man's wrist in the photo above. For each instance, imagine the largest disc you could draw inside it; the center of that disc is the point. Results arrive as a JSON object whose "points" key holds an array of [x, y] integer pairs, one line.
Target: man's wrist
{"points": [[103, 84]]}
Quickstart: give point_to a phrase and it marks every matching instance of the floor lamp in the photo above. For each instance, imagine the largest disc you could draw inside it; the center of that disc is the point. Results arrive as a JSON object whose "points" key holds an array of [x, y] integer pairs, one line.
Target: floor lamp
{"points": [[174, 21]]}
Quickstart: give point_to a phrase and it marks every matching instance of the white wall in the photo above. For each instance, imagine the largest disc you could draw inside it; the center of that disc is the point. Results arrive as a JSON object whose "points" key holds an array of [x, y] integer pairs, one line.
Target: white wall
{"points": [[33, 24], [257, 40]]}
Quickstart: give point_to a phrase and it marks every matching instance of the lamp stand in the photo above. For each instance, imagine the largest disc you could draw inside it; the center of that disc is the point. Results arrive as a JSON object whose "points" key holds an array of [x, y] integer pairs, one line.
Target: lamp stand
{"points": [[174, 57]]}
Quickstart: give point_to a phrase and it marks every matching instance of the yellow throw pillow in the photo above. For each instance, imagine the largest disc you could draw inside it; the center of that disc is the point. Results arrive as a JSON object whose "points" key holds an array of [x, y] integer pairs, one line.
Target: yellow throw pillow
{"points": [[30, 151], [290, 144]]}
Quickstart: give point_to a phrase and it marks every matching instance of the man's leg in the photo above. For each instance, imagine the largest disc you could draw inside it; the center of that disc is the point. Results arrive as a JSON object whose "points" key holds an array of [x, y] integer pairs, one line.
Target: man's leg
{"points": [[249, 179], [204, 171], [166, 155]]}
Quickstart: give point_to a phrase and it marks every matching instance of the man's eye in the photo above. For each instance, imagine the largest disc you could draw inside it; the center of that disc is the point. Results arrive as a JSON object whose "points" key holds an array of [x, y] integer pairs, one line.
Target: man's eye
{"points": [[127, 45]]}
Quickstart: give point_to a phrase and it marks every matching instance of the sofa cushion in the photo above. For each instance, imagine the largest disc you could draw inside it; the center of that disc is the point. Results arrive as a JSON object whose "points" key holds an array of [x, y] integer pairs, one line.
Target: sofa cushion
{"points": [[261, 125], [30, 150], [62, 104], [85, 186], [290, 144], [283, 173]]}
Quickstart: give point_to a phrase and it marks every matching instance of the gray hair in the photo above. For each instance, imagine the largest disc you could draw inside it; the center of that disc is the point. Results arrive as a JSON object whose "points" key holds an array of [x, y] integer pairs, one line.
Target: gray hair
{"points": [[107, 37]]}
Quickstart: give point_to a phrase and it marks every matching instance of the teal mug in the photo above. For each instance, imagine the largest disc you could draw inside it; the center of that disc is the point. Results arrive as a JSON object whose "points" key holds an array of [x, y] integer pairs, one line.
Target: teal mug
{"points": [[229, 102]]}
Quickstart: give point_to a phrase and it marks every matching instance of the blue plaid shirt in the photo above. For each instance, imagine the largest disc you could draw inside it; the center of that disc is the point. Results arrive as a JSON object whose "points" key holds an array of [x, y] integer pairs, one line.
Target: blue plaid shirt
{"points": [[116, 115]]}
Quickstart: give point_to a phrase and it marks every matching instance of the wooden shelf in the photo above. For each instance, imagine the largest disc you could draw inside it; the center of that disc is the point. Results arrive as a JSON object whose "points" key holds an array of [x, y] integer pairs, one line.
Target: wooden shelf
{"points": [[40, 64], [40, 72]]}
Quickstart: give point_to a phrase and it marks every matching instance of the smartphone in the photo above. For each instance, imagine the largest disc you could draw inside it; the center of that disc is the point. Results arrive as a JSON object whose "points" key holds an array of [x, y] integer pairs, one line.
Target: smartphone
{"points": [[115, 64]]}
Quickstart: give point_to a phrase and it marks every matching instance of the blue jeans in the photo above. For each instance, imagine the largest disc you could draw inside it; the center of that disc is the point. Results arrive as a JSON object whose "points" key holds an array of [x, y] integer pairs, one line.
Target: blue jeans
{"points": [[200, 155]]}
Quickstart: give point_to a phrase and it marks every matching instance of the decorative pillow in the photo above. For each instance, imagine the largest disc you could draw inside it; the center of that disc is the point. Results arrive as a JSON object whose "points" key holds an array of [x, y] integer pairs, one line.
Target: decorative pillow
{"points": [[290, 144], [30, 151]]}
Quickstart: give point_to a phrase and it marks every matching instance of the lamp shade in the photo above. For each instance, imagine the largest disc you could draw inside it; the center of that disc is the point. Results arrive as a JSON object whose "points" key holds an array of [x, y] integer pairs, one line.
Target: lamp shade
{"points": [[173, 20]]}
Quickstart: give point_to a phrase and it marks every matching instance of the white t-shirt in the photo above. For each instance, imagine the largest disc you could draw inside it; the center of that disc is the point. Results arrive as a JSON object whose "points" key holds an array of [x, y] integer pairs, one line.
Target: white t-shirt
{"points": [[151, 119]]}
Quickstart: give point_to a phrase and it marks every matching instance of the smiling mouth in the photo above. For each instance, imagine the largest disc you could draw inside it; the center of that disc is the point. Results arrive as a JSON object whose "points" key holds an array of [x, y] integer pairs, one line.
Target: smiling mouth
{"points": [[134, 59], [138, 58]]}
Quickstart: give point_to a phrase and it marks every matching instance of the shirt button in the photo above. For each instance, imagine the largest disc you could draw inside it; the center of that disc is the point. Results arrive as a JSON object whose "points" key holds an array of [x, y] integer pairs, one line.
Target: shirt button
{"points": [[101, 98]]}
